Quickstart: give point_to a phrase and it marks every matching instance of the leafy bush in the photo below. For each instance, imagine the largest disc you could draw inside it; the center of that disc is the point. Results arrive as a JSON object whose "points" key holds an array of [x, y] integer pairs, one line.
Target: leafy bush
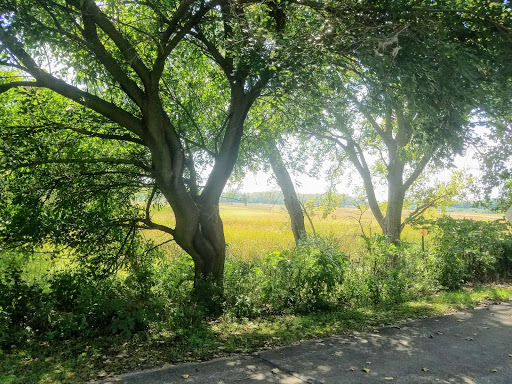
{"points": [[504, 259], [243, 287], [73, 306], [389, 274], [307, 278], [471, 251], [24, 307]]}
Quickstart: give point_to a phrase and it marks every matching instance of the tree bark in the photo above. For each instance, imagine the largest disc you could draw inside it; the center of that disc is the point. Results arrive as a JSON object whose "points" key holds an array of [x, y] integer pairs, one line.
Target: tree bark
{"points": [[396, 195], [393, 221], [199, 229], [291, 201]]}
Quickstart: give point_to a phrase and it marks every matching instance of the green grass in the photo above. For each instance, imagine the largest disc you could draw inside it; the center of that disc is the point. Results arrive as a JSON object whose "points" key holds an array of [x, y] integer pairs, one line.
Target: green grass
{"points": [[250, 232], [258, 229], [82, 360]]}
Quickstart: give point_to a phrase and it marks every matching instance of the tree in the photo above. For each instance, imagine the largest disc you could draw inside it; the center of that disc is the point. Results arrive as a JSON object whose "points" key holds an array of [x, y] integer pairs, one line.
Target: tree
{"points": [[122, 60], [406, 98], [291, 200], [266, 134]]}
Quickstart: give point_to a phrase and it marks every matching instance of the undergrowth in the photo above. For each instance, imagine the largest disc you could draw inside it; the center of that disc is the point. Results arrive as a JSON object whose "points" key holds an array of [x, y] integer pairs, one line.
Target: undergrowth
{"points": [[146, 316]]}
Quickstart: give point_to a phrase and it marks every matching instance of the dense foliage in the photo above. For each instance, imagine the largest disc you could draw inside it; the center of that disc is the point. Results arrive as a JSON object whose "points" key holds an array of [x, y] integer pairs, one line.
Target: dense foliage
{"points": [[472, 251], [314, 276], [110, 109]]}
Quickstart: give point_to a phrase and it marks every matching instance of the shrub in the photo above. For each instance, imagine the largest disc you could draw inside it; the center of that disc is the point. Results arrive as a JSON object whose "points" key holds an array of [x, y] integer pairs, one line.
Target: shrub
{"points": [[307, 278], [243, 287], [504, 259], [74, 305], [471, 251], [389, 274]]}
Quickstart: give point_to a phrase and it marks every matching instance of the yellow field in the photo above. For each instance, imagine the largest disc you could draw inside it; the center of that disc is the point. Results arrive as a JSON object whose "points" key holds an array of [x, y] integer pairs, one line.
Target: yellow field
{"points": [[259, 229]]}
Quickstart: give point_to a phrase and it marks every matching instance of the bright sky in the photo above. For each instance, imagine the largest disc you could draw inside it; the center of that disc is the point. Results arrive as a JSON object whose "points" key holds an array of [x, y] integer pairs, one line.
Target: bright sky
{"points": [[263, 182]]}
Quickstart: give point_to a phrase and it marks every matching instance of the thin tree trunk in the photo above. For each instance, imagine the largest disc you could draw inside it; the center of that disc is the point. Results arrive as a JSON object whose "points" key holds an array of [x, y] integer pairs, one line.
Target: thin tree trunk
{"points": [[291, 201], [309, 218]]}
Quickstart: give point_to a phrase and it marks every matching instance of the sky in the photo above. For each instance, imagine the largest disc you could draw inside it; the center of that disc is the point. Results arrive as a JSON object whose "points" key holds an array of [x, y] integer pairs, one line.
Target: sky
{"points": [[263, 181]]}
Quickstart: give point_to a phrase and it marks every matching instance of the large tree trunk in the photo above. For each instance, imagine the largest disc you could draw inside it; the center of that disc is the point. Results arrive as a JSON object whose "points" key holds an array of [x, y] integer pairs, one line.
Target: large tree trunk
{"points": [[210, 244], [291, 201], [396, 194], [199, 230], [209, 256]]}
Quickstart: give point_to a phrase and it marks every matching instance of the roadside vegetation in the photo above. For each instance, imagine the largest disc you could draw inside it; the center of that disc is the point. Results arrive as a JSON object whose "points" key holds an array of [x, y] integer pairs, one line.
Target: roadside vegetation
{"points": [[124, 123], [61, 323]]}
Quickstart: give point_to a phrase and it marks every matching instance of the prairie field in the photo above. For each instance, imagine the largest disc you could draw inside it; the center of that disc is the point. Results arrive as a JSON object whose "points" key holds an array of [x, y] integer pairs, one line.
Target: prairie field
{"points": [[255, 229]]}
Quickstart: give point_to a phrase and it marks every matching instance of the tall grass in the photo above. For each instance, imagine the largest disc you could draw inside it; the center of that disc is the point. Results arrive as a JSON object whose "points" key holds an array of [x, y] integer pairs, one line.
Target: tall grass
{"points": [[51, 311], [258, 229]]}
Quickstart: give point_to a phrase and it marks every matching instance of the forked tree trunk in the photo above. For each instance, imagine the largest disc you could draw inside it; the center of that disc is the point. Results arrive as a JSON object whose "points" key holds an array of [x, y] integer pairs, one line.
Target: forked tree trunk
{"points": [[391, 224], [199, 230], [291, 201]]}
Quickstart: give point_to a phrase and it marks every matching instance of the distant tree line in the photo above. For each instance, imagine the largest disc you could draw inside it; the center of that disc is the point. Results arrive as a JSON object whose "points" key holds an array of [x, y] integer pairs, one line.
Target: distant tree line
{"points": [[316, 199]]}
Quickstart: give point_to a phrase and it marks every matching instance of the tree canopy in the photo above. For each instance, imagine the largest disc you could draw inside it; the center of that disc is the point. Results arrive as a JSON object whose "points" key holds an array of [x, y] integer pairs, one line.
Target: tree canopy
{"points": [[102, 99]]}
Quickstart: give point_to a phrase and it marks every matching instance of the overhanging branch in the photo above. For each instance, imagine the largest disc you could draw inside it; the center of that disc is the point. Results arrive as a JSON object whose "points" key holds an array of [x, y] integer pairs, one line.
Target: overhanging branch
{"points": [[125, 47], [44, 79], [15, 84], [418, 170], [107, 160], [143, 224], [421, 209]]}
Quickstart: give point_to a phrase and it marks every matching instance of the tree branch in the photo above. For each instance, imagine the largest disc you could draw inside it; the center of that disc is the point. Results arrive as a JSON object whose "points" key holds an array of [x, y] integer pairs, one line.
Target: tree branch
{"points": [[11, 65], [192, 183], [124, 46], [418, 211], [419, 169], [203, 147], [107, 160], [384, 134], [225, 64], [150, 201], [356, 157], [172, 24], [150, 225], [158, 245], [15, 84], [193, 21], [106, 135], [129, 86], [43, 79], [383, 159], [261, 83]]}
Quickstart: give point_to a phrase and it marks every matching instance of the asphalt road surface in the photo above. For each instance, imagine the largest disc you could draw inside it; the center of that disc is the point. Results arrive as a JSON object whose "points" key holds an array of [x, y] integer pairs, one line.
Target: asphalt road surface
{"points": [[470, 347]]}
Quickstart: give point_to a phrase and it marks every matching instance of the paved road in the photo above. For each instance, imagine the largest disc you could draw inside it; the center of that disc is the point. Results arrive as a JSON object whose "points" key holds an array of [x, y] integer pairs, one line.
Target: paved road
{"points": [[468, 347]]}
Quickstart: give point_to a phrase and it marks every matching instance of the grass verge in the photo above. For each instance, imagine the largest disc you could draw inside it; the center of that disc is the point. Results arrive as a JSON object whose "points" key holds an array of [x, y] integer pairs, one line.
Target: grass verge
{"points": [[78, 361]]}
